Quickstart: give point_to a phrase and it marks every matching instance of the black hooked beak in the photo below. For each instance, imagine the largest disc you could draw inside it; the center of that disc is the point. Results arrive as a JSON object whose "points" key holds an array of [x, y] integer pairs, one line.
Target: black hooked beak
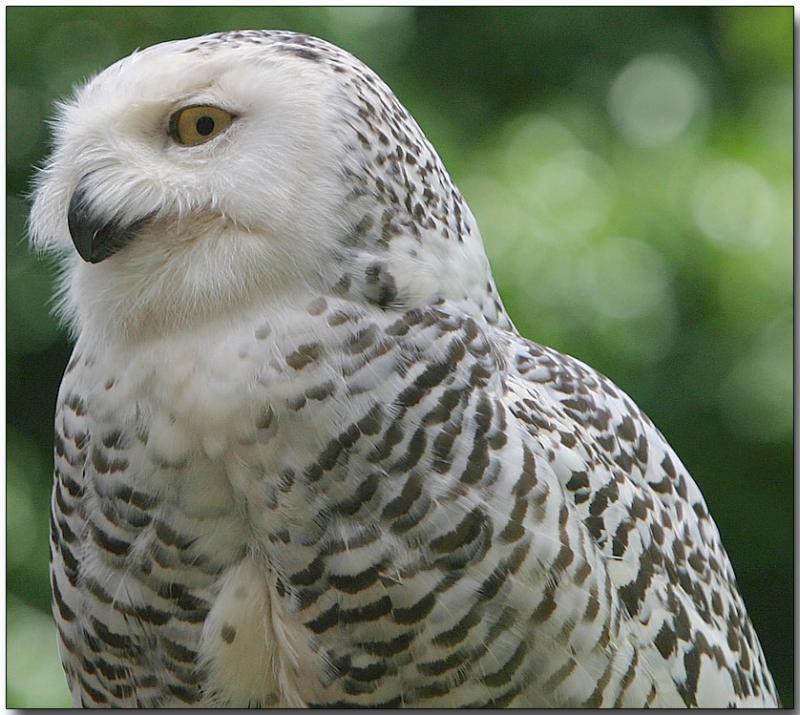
{"points": [[97, 237]]}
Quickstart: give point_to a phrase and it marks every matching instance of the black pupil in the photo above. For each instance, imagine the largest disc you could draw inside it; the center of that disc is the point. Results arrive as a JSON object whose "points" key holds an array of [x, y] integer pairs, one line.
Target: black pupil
{"points": [[204, 126]]}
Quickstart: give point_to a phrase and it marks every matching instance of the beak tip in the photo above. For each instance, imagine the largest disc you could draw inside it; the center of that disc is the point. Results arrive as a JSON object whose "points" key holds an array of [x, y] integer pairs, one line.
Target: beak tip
{"points": [[94, 236], [81, 225]]}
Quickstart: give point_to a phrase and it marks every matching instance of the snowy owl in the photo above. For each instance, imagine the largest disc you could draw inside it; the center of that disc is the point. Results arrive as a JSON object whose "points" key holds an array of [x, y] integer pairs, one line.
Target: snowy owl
{"points": [[303, 457]]}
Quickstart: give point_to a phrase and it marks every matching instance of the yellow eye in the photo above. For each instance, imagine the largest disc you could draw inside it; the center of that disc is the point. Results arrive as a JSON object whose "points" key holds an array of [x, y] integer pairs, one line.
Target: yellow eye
{"points": [[194, 125]]}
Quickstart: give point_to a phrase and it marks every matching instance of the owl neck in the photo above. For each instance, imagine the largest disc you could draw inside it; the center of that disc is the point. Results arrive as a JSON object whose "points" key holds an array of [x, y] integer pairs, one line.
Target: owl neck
{"points": [[410, 239]]}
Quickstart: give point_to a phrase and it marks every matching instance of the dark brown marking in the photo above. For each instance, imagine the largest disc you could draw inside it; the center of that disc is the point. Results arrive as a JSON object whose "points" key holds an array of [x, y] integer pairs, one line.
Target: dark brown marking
{"points": [[547, 605], [364, 614], [627, 679], [468, 529], [460, 630], [514, 529], [228, 633], [363, 494], [115, 640], [506, 673], [393, 436], [178, 652], [401, 504], [115, 439], [304, 355], [527, 479], [414, 614], [386, 649], [66, 612], [95, 695], [170, 537], [557, 678], [593, 606], [416, 448], [325, 620], [688, 691], [578, 480], [308, 575], [368, 673], [595, 700], [370, 424], [666, 641], [439, 667], [118, 547], [357, 582], [187, 695], [436, 689], [363, 339], [149, 614]]}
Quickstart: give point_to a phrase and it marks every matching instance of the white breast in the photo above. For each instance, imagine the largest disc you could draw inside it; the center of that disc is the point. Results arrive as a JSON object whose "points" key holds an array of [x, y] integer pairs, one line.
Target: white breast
{"points": [[242, 647]]}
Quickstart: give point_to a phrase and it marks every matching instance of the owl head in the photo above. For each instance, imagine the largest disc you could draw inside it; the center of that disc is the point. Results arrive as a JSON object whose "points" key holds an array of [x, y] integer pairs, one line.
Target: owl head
{"points": [[199, 178]]}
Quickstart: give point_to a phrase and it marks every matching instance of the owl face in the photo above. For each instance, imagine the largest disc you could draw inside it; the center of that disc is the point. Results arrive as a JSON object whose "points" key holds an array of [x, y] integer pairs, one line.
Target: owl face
{"points": [[186, 181], [197, 178]]}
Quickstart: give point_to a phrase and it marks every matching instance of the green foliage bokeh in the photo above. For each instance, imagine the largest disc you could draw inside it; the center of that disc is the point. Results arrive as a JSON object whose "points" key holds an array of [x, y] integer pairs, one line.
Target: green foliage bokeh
{"points": [[631, 171]]}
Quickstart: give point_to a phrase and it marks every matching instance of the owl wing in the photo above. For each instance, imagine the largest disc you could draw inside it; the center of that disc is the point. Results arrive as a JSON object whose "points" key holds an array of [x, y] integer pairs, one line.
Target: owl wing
{"points": [[496, 523], [434, 557], [650, 524]]}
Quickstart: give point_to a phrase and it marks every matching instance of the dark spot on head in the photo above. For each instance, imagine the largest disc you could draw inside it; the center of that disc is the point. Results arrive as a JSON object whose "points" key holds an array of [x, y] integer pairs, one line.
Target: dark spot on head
{"points": [[305, 53]]}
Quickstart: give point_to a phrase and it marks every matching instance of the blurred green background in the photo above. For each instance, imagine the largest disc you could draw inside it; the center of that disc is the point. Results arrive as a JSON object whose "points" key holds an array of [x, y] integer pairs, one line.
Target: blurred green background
{"points": [[631, 172]]}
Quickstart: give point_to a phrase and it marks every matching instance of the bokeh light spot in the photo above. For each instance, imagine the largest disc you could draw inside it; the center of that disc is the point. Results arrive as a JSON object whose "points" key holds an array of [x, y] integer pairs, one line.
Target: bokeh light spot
{"points": [[573, 189], [626, 278], [652, 101], [734, 206], [756, 397], [497, 211]]}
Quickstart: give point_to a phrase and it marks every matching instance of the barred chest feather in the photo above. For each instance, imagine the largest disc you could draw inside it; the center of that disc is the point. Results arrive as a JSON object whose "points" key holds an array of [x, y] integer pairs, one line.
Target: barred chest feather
{"points": [[194, 493], [352, 506]]}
